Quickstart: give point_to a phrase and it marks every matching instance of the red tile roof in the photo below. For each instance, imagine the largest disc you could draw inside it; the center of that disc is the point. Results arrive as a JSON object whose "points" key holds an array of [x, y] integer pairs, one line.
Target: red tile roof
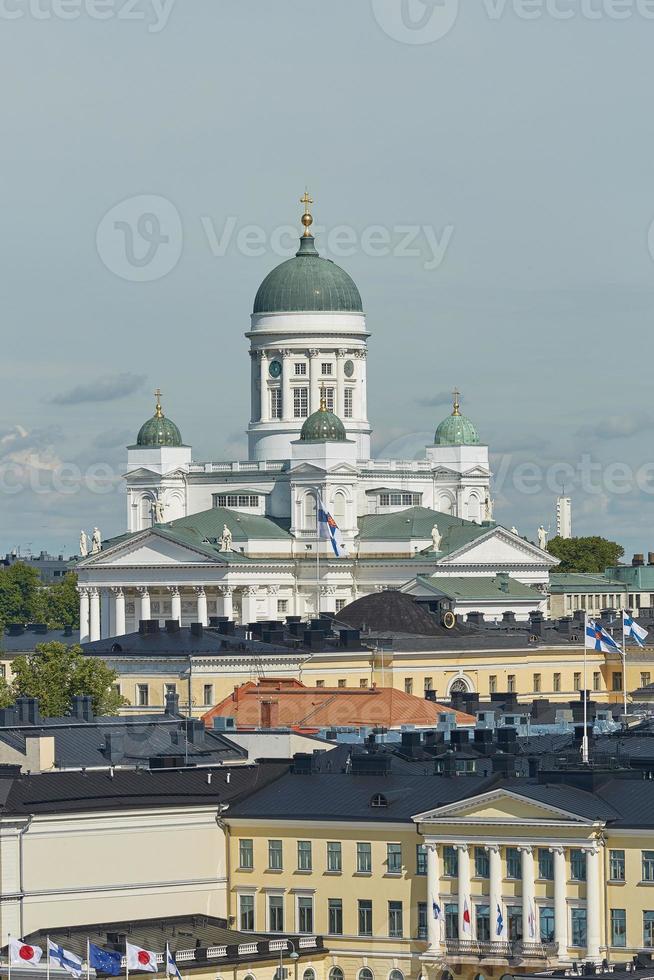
{"points": [[287, 703]]}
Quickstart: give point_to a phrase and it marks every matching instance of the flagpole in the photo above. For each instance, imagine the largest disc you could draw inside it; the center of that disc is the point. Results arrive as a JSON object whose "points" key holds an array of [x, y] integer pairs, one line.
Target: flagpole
{"points": [[318, 499], [624, 670], [47, 953], [8, 956], [584, 741]]}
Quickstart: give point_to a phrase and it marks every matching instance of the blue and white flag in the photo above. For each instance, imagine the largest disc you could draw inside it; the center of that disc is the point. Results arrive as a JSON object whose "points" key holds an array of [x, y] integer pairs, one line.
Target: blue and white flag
{"points": [[172, 969], [329, 529], [598, 639], [633, 630], [500, 921], [105, 960], [436, 909], [58, 956]]}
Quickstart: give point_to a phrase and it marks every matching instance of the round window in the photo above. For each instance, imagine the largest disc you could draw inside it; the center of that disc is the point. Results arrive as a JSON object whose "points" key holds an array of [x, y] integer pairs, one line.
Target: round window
{"points": [[348, 368]]}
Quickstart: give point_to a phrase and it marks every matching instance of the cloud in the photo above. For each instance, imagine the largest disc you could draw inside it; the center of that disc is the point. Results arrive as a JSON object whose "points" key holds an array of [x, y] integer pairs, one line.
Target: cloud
{"points": [[32, 449], [112, 438], [440, 398], [618, 426], [107, 389]]}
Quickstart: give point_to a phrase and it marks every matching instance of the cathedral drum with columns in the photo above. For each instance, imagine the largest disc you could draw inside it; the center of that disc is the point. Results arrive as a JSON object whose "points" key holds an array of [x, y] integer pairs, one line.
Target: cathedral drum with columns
{"points": [[241, 539]]}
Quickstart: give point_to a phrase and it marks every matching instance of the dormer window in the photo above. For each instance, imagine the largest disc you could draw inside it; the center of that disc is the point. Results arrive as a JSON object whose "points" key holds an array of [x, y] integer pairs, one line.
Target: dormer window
{"points": [[379, 800]]}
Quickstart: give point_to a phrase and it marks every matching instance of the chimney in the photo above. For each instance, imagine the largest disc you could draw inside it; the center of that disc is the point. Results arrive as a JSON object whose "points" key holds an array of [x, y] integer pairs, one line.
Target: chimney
{"points": [[650, 557], [638, 561], [28, 711], [172, 703], [269, 714], [114, 746], [172, 626], [82, 707], [196, 629]]}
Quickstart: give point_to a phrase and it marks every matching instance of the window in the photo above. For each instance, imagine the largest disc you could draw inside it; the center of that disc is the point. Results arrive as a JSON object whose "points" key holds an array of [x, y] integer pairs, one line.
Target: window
{"points": [[304, 855], [514, 922], [340, 604], [320, 683], [246, 905], [207, 695], [365, 917], [597, 680], [335, 916], [618, 927], [545, 864], [395, 920], [399, 499], [451, 921], [304, 914], [510, 683], [326, 368], [429, 683], [275, 855], [648, 929], [616, 680], [366, 974], [421, 859], [246, 854], [363, 682], [329, 398], [577, 864], [492, 684], [645, 678], [309, 974], [336, 973], [394, 859], [578, 920], [450, 862], [537, 684], [556, 682], [616, 865], [396, 975], [576, 680], [341, 682], [482, 923], [648, 865], [282, 607], [275, 403], [422, 920], [235, 500], [276, 913], [300, 402], [408, 685], [142, 695], [348, 403], [482, 866], [364, 858], [546, 923], [300, 369], [513, 863], [334, 861]]}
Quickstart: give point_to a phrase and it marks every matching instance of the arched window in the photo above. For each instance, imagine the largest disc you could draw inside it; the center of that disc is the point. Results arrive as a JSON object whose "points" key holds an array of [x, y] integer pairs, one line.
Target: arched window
{"points": [[340, 504], [145, 512], [248, 976], [366, 974], [445, 504], [474, 508], [458, 686], [309, 512], [336, 973], [309, 974], [378, 800], [396, 975]]}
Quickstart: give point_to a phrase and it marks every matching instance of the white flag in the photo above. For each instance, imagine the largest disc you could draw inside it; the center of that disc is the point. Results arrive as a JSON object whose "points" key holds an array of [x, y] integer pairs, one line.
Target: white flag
{"points": [[140, 959], [21, 953]]}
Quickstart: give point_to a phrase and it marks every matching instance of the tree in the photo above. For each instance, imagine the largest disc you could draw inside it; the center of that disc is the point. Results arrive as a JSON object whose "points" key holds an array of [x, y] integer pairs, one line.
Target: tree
{"points": [[19, 588], [58, 604], [592, 554], [55, 672]]}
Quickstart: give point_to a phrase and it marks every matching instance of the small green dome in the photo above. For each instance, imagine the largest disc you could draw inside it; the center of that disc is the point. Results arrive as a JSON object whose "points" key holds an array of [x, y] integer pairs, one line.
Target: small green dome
{"points": [[323, 426], [456, 429], [159, 431], [307, 284]]}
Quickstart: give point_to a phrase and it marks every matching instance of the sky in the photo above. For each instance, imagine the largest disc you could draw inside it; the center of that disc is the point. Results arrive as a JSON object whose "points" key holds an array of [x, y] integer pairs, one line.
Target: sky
{"points": [[482, 170]]}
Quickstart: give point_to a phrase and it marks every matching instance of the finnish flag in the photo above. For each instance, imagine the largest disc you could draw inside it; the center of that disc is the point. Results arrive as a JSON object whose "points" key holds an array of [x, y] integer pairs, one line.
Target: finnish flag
{"points": [[172, 970], [329, 529], [632, 629], [598, 639], [58, 956]]}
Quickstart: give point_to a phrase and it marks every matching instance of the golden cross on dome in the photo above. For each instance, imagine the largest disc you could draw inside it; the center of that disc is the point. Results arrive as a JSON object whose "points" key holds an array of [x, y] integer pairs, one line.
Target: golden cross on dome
{"points": [[307, 219], [457, 405], [158, 414]]}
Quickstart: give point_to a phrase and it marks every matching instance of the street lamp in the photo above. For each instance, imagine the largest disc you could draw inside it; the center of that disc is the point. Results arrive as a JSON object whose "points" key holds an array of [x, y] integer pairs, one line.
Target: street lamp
{"points": [[293, 955]]}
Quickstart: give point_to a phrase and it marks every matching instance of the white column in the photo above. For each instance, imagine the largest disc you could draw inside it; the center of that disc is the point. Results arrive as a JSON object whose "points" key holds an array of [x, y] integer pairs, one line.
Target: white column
{"points": [[144, 606], [249, 606], [465, 932], [105, 614], [202, 606], [314, 381], [560, 901], [119, 612], [287, 393], [495, 862], [226, 602], [593, 904], [176, 605], [83, 615], [263, 385], [95, 615], [529, 933], [433, 898]]}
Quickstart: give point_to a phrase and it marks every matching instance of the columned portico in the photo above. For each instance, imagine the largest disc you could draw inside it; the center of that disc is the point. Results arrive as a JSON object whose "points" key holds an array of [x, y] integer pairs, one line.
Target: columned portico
{"points": [[433, 902], [560, 902], [84, 629], [593, 924], [226, 602], [202, 605], [465, 927], [144, 594], [529, 926], [118, 612], [495, 871], [94, 615], [176, 605]]}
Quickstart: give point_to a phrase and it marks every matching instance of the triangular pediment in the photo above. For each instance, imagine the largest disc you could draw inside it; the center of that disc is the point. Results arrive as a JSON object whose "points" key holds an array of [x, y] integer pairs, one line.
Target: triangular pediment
{"points": [[499, 547], [310, 470], [501, 807], [149, 548]]}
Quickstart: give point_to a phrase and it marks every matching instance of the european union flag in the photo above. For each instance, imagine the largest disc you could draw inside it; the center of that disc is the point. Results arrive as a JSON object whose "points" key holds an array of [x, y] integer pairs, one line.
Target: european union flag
{"points": [[104, 960]]}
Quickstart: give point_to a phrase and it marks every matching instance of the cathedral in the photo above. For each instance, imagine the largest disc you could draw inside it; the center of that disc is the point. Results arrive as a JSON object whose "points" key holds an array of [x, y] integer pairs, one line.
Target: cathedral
{"points": [[241, 539]]}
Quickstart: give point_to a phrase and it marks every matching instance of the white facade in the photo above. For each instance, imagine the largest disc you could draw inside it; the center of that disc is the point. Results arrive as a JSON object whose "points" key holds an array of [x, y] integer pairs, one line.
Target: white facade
{"points": [[564, 517]]}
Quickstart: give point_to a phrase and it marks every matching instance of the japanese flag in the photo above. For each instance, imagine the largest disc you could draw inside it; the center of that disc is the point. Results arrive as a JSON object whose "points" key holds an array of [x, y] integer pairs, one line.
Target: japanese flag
{"points": [[21, 953], [141, 959]]}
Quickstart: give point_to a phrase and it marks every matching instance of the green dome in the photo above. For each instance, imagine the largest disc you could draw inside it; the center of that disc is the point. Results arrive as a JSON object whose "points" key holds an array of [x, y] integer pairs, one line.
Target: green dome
{"points": [[308, 283], [159, 431], [456, 429], [323, 426]]}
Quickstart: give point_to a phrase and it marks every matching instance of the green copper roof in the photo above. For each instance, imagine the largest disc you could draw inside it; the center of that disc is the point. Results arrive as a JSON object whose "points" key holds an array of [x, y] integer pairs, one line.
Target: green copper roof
{"points": [[417, 522], [159, 431], [456, 430], [308, 283], [323, 426]]}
